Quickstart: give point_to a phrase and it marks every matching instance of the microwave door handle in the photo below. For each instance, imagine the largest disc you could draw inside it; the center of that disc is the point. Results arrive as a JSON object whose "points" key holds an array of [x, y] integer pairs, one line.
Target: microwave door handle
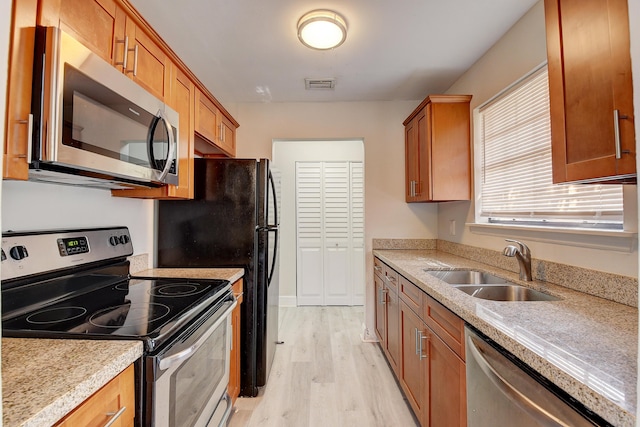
{"points": [[172, 146]]}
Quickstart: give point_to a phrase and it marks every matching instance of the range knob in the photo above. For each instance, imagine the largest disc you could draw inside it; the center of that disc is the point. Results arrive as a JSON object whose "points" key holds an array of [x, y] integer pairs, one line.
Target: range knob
{"points": [[4, 256], [18, 252], [114, 241], [124, 239]]}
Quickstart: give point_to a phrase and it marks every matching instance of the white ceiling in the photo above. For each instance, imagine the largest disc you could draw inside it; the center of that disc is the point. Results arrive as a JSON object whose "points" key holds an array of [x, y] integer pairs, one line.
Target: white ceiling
{"points": [[248, 50]]}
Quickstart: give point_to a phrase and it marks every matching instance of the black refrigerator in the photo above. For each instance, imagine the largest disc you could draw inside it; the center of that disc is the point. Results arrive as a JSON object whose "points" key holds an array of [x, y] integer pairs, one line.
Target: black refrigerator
{"points": [[231, 222]]}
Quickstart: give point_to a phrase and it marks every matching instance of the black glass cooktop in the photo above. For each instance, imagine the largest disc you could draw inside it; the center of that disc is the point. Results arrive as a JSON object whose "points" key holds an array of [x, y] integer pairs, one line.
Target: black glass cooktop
{"points": [[150, 309]]}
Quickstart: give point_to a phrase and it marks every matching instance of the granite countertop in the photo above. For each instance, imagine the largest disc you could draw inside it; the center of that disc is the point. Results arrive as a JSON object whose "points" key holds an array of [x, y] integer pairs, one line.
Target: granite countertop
{"points": [[230, 274], [586, 345], [45, 379]]}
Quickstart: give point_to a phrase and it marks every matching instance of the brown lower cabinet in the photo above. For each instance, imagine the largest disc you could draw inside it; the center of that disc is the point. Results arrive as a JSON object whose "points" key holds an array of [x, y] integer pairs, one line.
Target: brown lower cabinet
{"points": [[115, 403], [387, 320], [430, 365], [234, 357]]}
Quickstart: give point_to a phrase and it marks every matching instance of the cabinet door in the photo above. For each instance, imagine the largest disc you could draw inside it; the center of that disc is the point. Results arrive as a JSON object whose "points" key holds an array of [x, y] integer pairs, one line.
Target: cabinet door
{"points": [[381, 300], [98, 24], [227, 139], [449, 156], [590, 90], [417, 157], [393, 328], [206, 118], [19, 90], [447, 386], [411, 159], [424, 142], [101, 408], [147, 64], [413, 369]]}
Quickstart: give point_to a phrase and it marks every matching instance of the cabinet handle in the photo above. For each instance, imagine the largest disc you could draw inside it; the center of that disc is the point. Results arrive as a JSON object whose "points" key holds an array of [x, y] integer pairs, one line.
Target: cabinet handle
{"points": [[420, 337], [377, 268], [29, 123], [413, 188], [134, 70], [417, 189], [415, 335], [221, 132], [616, 131], [383, 299], [114, 416], [124, 53], [391, 279]]}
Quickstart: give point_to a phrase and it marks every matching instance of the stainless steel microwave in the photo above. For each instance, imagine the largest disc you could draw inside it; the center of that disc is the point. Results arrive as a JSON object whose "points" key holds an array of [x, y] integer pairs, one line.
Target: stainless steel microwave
{"points": [[92, 125]]}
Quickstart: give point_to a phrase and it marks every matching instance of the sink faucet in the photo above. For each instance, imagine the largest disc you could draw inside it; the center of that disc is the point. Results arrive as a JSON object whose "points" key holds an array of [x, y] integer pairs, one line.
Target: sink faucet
{"points": [[523, 255]]}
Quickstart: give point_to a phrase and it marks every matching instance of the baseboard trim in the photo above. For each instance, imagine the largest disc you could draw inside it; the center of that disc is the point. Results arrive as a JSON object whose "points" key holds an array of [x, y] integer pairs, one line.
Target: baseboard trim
{"points": [[366, 336], [288, 301]]}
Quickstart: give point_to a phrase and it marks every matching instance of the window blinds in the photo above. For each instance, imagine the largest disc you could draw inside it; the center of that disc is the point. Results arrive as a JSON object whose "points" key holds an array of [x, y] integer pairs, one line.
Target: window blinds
{"points": [[515, 141]]}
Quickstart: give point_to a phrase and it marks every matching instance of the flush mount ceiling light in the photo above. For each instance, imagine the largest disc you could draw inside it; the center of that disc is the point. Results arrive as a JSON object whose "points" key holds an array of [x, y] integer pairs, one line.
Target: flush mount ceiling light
{"points": [[322, 29]]}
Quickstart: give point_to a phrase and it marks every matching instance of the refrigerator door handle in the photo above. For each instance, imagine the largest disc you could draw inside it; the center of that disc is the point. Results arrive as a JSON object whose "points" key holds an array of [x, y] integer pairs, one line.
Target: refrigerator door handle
{"points": [[275, 199], [275, 254]]}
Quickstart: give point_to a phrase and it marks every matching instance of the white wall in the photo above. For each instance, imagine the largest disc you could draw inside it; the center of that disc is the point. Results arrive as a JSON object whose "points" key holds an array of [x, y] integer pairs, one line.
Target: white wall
{"points": [[285, 156], [518, 52], [36, 206], [379, 124]]}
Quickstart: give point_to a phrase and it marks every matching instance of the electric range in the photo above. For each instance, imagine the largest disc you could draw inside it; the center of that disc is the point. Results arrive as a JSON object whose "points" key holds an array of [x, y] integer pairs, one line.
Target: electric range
{"points": [[75, 284]]}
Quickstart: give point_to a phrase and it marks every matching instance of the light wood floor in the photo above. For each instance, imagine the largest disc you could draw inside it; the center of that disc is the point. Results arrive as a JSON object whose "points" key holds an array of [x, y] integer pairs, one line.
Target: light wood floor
{"points": [[324, 375]]}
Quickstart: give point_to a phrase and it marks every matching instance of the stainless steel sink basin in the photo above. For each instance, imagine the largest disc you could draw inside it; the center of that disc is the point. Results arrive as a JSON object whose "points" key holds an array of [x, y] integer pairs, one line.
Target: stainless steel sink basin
{"points": [[483, 285], [467, 277], [505, 293]]}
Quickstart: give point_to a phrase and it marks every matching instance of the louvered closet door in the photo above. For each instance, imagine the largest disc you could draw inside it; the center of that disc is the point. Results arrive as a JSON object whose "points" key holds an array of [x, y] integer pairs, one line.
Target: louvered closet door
{"points": [[357, 233], [330, 222], [310, 272], [336, 225]]}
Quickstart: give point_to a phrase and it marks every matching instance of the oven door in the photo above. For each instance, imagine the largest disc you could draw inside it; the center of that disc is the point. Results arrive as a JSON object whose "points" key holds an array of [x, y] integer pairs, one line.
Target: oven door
{"points": [[187, 381]]}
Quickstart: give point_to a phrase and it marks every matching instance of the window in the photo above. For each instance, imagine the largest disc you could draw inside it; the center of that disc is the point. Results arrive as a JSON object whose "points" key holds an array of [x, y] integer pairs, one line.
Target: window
{"points": [[514, 143]]}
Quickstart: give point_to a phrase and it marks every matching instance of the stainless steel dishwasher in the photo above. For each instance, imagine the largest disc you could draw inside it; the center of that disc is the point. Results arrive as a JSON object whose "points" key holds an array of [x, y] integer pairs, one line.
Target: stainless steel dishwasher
{"points": [[503, 392]]}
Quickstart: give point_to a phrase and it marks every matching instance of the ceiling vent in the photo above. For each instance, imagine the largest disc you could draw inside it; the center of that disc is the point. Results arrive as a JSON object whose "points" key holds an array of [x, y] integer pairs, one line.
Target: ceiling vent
{"points": [[322, 84]]}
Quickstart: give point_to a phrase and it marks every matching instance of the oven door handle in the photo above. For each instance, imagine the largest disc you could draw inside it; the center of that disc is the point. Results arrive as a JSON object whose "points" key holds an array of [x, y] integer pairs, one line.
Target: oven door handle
{"points": [[167, 362]]}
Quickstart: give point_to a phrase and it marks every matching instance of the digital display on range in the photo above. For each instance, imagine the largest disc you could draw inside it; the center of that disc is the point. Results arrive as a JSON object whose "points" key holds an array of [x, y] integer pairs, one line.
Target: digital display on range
{"points": [[73, 246]]}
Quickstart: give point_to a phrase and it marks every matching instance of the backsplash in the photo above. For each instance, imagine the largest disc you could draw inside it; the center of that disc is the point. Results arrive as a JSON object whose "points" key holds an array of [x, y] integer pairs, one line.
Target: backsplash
{"points": [[138, 263], [613, 287], [424, 244]]}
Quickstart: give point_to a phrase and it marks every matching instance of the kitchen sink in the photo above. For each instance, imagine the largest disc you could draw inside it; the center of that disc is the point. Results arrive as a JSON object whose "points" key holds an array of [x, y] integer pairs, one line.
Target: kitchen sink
{"points": [[483, 285], [467, 277], [505, 293]]}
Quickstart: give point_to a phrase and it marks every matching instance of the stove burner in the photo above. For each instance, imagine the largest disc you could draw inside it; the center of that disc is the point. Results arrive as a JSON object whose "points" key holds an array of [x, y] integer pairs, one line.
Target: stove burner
{"points": [[178, 289], [129, 315], [56, 315]]}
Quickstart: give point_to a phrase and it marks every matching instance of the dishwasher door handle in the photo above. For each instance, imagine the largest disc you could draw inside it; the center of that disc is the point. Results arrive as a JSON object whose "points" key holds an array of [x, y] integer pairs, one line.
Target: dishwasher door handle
{"points": [[484, 356]]}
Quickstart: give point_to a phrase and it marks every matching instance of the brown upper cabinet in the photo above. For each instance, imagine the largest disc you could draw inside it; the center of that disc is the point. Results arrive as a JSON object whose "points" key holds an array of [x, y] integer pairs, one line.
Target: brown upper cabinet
{"points": [[590, 91], [18, 121], [105, 28], [115, 31], [215, 133], [437, 150]]}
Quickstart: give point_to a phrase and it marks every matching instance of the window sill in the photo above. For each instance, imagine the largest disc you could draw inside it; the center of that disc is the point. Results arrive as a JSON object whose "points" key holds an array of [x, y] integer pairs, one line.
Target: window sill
{"points": [[614, 240]]}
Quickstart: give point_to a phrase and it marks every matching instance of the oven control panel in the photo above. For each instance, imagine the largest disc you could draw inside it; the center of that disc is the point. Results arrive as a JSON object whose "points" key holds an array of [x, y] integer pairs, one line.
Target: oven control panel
{"points": [[29, 253]]}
